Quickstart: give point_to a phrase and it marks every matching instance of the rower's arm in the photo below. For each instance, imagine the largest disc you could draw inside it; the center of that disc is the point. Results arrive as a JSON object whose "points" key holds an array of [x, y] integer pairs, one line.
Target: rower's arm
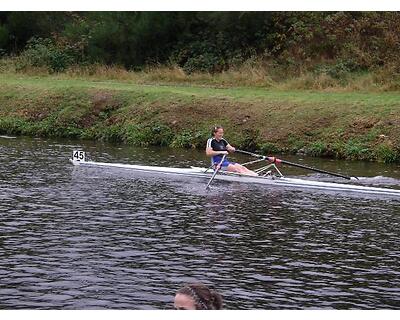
{"points": [[230, 148], [210, 152]]}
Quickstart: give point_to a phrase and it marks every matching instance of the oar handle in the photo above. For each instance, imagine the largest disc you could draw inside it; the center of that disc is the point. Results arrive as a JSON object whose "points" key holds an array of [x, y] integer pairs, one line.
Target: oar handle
{"points": [[270, 159], [251, 154]]}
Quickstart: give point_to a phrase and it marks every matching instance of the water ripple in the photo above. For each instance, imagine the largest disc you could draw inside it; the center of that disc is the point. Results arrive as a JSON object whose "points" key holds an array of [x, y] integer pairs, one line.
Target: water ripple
{"points": [[83, 238]]}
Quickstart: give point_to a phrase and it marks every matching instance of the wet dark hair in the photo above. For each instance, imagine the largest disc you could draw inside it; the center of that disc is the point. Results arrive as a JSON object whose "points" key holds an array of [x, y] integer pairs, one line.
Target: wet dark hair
{"points": [[215, 129], [203, 297]]}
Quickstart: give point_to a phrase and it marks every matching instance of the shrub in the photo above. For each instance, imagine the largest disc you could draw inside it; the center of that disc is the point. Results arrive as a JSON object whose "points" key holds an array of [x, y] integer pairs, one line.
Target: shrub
{"points": [[45, 53], [248, 139], [317, 149], [295, 144], [269, 148], [157, 135], [354, 150], [189, 139], [339, 70], [200, 55], [387, 153]]}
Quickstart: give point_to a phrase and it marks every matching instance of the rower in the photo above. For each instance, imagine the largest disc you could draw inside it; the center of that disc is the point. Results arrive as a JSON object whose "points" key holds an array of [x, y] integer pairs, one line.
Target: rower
{"points": [[217, 147], [197, 296]]}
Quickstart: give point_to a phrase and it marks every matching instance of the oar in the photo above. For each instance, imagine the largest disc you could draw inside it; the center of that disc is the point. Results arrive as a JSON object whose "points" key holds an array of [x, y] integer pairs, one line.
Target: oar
{"points": [[275, 160], [215, 172], [251, 154]]}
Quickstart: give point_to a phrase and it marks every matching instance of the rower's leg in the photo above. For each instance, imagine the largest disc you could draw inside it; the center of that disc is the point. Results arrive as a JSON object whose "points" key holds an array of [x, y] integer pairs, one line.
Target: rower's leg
{"points": [[241, 169], [232, 168], [247, 171]]}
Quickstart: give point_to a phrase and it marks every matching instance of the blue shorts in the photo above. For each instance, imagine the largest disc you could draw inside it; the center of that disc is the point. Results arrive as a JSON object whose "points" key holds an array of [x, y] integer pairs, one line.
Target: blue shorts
{"points": [[224, 165]]}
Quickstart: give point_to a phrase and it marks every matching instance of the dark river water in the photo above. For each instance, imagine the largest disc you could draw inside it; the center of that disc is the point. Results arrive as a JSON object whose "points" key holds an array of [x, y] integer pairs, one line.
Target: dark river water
{"points": [[87, 238]]}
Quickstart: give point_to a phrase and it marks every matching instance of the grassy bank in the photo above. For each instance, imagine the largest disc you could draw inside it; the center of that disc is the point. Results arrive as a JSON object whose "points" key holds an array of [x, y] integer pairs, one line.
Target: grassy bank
{"points": [[343, 124]]}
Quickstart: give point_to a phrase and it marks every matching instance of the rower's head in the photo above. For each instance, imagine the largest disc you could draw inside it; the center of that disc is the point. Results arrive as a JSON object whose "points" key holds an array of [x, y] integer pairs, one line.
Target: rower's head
{"points": [[217, 132], [197, 296]]}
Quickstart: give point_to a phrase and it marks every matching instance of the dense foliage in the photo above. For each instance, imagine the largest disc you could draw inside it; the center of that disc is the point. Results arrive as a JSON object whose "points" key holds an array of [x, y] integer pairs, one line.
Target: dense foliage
{"points": [[334, 43]]}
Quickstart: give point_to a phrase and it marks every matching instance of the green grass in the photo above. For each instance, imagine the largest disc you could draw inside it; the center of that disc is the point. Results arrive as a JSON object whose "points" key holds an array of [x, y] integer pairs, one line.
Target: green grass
{"points": [[353, 125], [357, 99]]}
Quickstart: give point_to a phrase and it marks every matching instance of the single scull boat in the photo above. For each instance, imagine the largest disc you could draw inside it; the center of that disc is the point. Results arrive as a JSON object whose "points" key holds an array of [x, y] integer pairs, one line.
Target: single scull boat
{"points": [[79, 159]]}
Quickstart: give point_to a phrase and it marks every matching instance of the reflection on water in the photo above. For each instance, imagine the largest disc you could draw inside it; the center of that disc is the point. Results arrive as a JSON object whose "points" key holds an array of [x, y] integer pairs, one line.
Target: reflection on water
{"points": [[86, 238]]}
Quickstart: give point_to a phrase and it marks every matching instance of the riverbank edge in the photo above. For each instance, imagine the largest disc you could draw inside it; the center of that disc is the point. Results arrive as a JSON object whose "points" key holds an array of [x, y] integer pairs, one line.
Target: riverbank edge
{"points": [[336, 125]]}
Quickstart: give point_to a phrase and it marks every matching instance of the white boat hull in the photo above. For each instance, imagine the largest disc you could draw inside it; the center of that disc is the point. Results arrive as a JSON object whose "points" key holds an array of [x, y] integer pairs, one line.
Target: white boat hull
{"points": [[225, 176]]}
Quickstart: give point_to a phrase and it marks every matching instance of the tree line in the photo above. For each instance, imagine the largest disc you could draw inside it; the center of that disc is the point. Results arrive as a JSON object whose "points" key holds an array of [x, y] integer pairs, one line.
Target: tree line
{"points": [[204, 41]]}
